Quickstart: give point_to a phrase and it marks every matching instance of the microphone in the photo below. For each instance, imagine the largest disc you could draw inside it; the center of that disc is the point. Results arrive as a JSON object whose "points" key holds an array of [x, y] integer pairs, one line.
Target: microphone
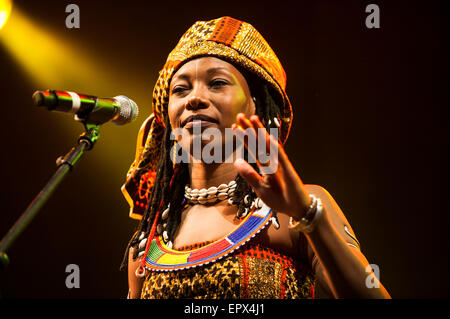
{"points": [[87, 108]]}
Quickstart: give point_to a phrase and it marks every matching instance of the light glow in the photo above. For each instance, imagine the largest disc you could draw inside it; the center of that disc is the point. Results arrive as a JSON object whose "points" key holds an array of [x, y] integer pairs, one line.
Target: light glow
{"points": [[54, 59], [47, 58], [5, 11]]}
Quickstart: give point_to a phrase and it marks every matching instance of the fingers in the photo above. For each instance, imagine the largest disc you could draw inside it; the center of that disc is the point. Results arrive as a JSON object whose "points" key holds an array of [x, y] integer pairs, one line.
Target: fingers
{"points": [[279, 155], [272, 141], [260, 128], [260, 144], [248, 173], [242, 130]]}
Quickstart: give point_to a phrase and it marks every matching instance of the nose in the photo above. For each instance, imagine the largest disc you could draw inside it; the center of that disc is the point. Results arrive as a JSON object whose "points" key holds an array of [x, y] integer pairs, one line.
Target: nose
{"points": [[196, 101]]}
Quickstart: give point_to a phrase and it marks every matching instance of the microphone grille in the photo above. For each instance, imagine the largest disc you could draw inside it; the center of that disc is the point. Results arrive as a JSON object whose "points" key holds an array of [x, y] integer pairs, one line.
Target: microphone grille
{"points": [[128, 111]]}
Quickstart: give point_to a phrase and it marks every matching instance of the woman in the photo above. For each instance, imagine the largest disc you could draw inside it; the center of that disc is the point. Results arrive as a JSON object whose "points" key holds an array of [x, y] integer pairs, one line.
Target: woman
{"points": [[224, 229]]}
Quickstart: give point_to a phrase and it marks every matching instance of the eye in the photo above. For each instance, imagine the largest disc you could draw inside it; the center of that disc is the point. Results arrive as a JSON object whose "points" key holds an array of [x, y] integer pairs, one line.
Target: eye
{"points": [[178, 89], [218, 83]]}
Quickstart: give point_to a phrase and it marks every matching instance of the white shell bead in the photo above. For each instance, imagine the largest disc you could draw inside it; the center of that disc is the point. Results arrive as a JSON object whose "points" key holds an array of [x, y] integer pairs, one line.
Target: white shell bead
{"points": [[212, 191], [277, 123], [260, 203], [222, 186], [222, 196], [165, 213], [275, 222], [211, 199], [232, 183], [165, 236], [142, 243]]}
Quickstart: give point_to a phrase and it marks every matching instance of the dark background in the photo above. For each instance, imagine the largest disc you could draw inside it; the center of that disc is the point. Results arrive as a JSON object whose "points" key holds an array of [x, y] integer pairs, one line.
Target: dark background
{"points": [[371, 126]]}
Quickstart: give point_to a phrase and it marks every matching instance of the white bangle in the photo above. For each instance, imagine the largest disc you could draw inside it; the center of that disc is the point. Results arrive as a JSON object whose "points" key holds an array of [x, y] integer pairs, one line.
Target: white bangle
{"points": [[308, 222]]}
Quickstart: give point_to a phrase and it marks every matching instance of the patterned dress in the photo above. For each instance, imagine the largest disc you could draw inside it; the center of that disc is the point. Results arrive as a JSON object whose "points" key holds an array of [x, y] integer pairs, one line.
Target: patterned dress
{"points": [[252, 271]]}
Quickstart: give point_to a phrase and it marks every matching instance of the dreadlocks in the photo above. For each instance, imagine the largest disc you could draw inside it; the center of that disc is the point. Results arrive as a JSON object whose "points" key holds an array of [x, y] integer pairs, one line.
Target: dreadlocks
{"points": [[169, 187]]}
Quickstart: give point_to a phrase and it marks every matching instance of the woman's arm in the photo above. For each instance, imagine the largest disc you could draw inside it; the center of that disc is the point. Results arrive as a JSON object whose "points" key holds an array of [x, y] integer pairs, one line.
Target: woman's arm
{"points": [[134, 283], [340, 267], [339, 264]]}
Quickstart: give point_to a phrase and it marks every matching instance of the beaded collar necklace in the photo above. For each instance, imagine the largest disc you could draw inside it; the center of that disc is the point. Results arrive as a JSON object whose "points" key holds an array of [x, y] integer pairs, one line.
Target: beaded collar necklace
{"points": [[160, 257]]}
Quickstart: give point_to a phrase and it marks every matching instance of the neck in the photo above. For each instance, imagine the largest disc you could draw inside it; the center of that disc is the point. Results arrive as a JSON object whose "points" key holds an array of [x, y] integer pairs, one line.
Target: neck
{"points": [[206, 175]]}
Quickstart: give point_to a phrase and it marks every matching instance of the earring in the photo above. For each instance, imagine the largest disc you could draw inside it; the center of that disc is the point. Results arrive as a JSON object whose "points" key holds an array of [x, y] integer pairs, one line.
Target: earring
{"points": [[254, 99]]}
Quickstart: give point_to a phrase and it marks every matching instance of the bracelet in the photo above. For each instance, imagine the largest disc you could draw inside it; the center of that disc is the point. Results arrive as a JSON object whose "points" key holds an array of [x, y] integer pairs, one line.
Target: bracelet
{"points": [[308, 222]]}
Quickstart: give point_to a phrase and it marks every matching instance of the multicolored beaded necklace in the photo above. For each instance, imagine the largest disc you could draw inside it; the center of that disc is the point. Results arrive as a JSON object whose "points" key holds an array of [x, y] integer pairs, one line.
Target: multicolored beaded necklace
{"points": [[160, 257]]}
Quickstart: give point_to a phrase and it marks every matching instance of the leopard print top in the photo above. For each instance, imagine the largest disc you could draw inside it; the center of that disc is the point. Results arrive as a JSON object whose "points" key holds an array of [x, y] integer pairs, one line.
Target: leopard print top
{"points": [[253, 271]]}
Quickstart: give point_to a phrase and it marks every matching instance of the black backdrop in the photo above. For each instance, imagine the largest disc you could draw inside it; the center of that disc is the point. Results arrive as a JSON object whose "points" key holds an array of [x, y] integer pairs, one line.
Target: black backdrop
{"points": [[371, 126]]}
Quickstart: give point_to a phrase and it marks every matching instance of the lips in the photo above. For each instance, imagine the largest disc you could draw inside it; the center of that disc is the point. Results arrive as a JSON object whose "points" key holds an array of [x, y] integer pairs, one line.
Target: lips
{"points": [[198, 117]]}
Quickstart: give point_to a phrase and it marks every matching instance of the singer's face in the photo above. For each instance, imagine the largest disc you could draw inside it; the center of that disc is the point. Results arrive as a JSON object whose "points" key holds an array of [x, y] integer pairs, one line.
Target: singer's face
{"points": [[210, 92]]}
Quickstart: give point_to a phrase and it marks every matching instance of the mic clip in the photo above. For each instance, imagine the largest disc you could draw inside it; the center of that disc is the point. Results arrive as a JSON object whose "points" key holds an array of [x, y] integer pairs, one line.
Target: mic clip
{"points": [[91, 134], [78, 119]]}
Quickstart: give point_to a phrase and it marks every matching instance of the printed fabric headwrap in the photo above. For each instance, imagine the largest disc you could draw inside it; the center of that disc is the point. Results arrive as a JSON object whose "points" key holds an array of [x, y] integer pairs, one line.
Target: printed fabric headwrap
{"points": [[226, 38]]}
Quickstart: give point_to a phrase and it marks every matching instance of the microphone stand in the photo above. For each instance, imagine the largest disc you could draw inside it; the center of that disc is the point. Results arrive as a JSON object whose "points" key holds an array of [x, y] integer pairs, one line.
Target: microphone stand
{"points": [[65, 164]]}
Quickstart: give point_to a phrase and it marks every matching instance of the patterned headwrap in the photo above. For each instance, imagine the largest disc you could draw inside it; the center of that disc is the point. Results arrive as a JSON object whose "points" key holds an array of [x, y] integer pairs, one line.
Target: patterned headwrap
{"points": [[229, 39]]}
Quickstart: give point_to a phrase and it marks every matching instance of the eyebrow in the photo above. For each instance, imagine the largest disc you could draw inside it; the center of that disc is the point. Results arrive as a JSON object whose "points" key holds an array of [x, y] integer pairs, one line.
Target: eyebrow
{"points": [[210, 71], [214, 70]]}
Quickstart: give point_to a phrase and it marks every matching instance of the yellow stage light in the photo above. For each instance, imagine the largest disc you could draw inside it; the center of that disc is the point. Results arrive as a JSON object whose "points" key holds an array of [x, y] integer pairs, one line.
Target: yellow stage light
{"points": [[5, 10], [53, 59]]}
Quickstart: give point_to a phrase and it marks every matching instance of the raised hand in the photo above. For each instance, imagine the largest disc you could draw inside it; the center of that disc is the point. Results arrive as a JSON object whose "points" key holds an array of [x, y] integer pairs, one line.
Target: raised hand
{"points": [[279, 187]]}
